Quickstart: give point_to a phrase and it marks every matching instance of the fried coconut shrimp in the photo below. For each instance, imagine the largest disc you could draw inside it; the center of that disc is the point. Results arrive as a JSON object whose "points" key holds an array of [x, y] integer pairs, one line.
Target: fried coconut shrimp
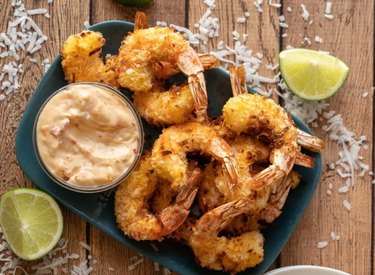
{"points": [[132, 210], [221, 253], [146, 55], [165, 107], [251, 157], [213, 190], [262, 117], [82, 59], [312, 143], [169, 154]]}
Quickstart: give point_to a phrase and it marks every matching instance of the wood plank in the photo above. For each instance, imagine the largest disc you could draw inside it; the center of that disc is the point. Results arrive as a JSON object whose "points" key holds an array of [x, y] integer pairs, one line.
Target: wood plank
{"points": [[262, 28], [169, 11], [11, 109], [111, 253], [348, 36]]}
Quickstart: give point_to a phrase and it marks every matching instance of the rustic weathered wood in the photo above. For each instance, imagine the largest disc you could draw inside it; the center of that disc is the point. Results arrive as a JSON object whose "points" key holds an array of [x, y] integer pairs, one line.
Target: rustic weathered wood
{"points": [[348, 36], [57, 29], [118, 256], [168, 11]]}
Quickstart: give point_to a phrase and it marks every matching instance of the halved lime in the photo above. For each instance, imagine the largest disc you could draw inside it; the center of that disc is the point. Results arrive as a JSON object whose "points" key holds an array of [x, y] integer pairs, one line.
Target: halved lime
{"points": [[312, 75], [31, 222]]}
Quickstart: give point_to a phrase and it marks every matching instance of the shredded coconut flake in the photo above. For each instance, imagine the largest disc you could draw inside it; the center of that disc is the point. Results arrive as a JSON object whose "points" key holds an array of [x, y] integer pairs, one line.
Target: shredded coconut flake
{"points": [[275, 5], [321, 245], [328, 9], [210, 3], [306, 41], [258, 5], [134, 265], [85, 246], [344, 189], [334, 236], [22, 35], [241, 19], [283, 25], [318, 39], [347, 205], [86, 24], [236, 35], [37, 11], [305, 13]]}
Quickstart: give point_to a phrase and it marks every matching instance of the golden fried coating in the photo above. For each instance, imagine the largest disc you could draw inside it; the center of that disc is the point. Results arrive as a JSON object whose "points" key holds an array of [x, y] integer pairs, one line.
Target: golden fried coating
{"points": [[162, 108], [132, 204], [82, 59], [221, 253]]}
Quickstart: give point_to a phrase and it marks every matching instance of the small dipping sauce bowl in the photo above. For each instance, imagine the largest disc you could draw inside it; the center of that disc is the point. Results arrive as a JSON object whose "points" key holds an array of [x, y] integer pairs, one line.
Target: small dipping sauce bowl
{"points": [[88, 137]]}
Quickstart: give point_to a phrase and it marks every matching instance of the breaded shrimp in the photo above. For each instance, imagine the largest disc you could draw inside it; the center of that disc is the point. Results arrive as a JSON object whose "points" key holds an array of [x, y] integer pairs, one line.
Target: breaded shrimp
{"points": [[170, 107], [221, 253], [214, 190], [131, 204], [145, 51], [169, 158], [239, 87], [82, 59]]}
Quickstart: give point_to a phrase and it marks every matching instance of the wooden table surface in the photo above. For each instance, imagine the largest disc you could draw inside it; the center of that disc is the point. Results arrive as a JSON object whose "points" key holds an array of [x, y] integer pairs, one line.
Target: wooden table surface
{"points": [[349, 36]]}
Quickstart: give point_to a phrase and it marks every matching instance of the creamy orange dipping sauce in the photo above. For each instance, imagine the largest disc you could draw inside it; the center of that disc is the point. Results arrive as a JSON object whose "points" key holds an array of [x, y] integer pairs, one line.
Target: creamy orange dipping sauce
{"points": [[87, 136]]}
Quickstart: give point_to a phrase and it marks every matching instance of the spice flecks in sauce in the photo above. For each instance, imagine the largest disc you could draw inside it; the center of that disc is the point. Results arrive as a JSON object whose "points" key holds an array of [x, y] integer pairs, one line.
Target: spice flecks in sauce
{"points": [[86, 135]]}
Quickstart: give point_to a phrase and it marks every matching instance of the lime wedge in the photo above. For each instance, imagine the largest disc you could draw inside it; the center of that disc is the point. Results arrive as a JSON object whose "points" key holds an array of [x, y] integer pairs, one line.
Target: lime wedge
{"points": [[31, 221], [312, 75]]}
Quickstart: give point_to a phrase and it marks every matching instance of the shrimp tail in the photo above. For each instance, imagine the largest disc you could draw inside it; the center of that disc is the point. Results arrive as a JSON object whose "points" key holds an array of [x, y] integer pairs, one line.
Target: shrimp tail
{"points": [[273, 210], [310, 142], [267, 177], [190, 65], [175, 215], [223, 152], [140, 21], [238, 80], [198, 88], [208, 61], [218, 218], [304, 160]]}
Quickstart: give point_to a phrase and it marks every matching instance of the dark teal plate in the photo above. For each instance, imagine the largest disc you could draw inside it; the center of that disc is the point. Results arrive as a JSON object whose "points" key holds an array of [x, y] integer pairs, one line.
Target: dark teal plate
{"points": [[97, 209]]}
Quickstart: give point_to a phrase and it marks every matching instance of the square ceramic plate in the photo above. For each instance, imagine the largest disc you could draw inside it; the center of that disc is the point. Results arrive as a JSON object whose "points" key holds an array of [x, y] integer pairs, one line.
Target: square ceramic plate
{"points": [[98, 209]]}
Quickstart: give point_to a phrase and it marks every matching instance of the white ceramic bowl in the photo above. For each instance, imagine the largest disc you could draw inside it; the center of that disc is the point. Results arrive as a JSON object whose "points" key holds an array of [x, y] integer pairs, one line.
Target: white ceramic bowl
{"points": [[306, 270]]}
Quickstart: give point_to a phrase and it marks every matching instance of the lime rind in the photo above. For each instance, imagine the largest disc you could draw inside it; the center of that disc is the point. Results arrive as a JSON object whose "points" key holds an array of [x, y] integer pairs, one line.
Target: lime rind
{"points": [[306, 66], [40, 243]]}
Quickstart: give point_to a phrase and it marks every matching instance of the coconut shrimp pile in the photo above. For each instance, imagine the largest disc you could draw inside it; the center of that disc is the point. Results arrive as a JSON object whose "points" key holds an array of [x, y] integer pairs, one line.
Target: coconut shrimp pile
{"points": [[237, 170]]}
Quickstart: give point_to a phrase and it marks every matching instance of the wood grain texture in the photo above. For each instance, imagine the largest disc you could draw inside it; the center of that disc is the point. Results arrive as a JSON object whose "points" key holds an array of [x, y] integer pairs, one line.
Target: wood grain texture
{"points": [[11, 109], [348, 36], [168, 11]]}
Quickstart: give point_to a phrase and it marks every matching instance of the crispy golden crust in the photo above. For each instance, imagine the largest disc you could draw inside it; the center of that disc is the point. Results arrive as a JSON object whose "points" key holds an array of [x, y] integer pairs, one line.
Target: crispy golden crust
{"points": [[174, 106], [221, 253], [82, 59]]}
